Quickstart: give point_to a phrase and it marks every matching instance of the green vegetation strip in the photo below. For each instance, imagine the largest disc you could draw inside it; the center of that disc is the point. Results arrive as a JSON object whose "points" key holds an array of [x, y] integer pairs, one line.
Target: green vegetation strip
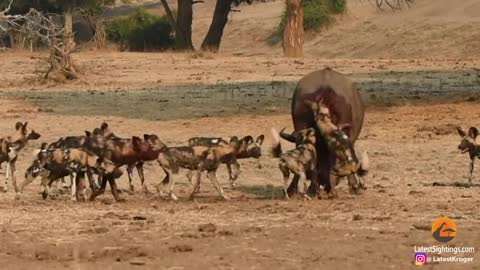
{"points": [[259, 98]]}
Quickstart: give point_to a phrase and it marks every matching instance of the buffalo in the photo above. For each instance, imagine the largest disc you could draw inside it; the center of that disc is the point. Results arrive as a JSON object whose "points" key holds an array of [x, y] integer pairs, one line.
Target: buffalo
{"points": [[347, 111]]}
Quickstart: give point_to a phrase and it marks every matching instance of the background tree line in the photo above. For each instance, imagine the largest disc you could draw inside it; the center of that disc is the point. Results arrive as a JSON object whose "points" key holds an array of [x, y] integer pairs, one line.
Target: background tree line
{"points": [[142, 31]]}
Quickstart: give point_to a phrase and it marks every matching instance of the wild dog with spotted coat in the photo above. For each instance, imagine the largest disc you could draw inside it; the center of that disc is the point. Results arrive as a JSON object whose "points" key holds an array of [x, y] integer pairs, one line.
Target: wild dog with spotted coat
{"points": [[77, 162], [9, 148], [470, 144], [195, 158], [252, 149], [298, 161]]}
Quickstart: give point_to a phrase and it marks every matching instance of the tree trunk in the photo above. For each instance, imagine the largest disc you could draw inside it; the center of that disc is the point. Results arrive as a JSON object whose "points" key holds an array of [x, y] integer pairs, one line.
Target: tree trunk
{"points": [[100, 35], [294, 34], [215, 32], [183, 33], [178, 31], [68, 23]]}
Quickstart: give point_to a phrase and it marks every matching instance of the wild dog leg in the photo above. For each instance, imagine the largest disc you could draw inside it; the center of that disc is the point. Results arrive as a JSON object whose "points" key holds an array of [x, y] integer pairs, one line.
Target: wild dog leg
{"points": [[302, 182], [82, 185], [168, 179], [333, 183], [91, 181], [139, 167], [45, 187], [189, 176], [212, 175], [7, 175], [293, 188], [114, 189], [130, 176], [470, 171], [286, 178], [101, 190], [233, 173], [196, 185], [13, 170], [353, 184], [171, 185], [73, 182]]}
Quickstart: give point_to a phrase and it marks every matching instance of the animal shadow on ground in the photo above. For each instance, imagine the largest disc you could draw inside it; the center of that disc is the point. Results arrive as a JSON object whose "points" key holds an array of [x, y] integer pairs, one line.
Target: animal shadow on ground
{"points": [[453, 184], [266, 192]]}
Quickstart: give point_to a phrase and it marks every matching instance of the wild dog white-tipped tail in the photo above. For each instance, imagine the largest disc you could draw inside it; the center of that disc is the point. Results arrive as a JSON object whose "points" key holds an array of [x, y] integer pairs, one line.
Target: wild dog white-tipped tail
{"points": [[276, 147], [36, 152], [365, 162], [276, 137]]}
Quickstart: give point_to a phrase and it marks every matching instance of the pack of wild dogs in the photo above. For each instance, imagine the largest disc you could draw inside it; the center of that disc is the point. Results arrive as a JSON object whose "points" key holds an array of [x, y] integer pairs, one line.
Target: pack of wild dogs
{"points": [[100, 154]]}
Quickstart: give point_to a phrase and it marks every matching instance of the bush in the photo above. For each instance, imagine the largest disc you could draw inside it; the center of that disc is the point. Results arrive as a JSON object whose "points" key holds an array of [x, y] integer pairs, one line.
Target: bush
{"points": [[141, 31], [316, 14]]}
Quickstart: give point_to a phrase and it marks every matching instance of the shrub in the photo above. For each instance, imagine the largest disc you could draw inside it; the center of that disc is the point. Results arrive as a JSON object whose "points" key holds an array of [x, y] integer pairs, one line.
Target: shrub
{"points": [[141, 31]]}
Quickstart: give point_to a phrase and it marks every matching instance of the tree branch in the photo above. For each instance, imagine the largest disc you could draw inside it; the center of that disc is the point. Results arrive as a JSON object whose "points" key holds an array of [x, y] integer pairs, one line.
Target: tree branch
{"points": [[393, 4]]}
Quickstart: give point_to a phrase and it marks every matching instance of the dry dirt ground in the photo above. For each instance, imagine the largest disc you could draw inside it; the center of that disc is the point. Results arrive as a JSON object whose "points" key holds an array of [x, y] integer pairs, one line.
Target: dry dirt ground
{"points": [[410, 148]]}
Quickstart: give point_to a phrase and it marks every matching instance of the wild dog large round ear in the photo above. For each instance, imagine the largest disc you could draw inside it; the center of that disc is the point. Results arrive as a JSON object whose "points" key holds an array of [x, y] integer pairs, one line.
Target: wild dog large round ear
{"points": [[99, 160], [18, 125], [24, 127], [461, 132], [312, 104], [146, 137], [260, 139], [104, 126], [234, 139], [473, 132], [88, 133], [248, 139], [136, 140]]}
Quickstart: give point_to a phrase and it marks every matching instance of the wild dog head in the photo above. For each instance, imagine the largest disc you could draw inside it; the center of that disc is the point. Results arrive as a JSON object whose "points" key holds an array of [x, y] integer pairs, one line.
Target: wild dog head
{"points": [[155, 143], [104, 130], [253, 148], [322, 117], [144, 149], [22, 135], [470, 141], [35, 170]]}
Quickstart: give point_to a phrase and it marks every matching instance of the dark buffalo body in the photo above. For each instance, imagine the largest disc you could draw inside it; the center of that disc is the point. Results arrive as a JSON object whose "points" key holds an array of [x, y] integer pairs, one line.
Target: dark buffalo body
{"points": [[346, 109]]}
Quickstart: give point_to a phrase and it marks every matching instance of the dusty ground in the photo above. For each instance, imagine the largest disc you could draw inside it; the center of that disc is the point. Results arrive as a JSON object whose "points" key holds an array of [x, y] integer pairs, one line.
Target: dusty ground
{"points": [[410, 147]]}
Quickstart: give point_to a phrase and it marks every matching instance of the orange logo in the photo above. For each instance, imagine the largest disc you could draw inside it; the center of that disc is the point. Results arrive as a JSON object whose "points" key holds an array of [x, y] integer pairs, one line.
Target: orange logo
{"points": [[444, 229]]}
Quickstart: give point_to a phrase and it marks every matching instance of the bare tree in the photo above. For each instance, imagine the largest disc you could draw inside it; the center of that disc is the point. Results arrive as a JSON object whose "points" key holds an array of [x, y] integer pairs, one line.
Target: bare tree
{"points": [[60, 65], [183, 23], [393, 4], [293, 35]]}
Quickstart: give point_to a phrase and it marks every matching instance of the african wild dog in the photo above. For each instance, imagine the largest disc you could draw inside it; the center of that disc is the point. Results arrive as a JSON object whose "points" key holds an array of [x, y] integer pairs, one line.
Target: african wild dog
{"points": [[470, 143], [346, 163], [250, 149], [130, 152], [9, 148], [122, 155], [195, 158], [52, 164], [299, 161]]}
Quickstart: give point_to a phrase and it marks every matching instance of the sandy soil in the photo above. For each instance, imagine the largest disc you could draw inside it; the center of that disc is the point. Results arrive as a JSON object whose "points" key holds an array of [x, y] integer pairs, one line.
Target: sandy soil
{"points": [[136, 71], [410, 148]]}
